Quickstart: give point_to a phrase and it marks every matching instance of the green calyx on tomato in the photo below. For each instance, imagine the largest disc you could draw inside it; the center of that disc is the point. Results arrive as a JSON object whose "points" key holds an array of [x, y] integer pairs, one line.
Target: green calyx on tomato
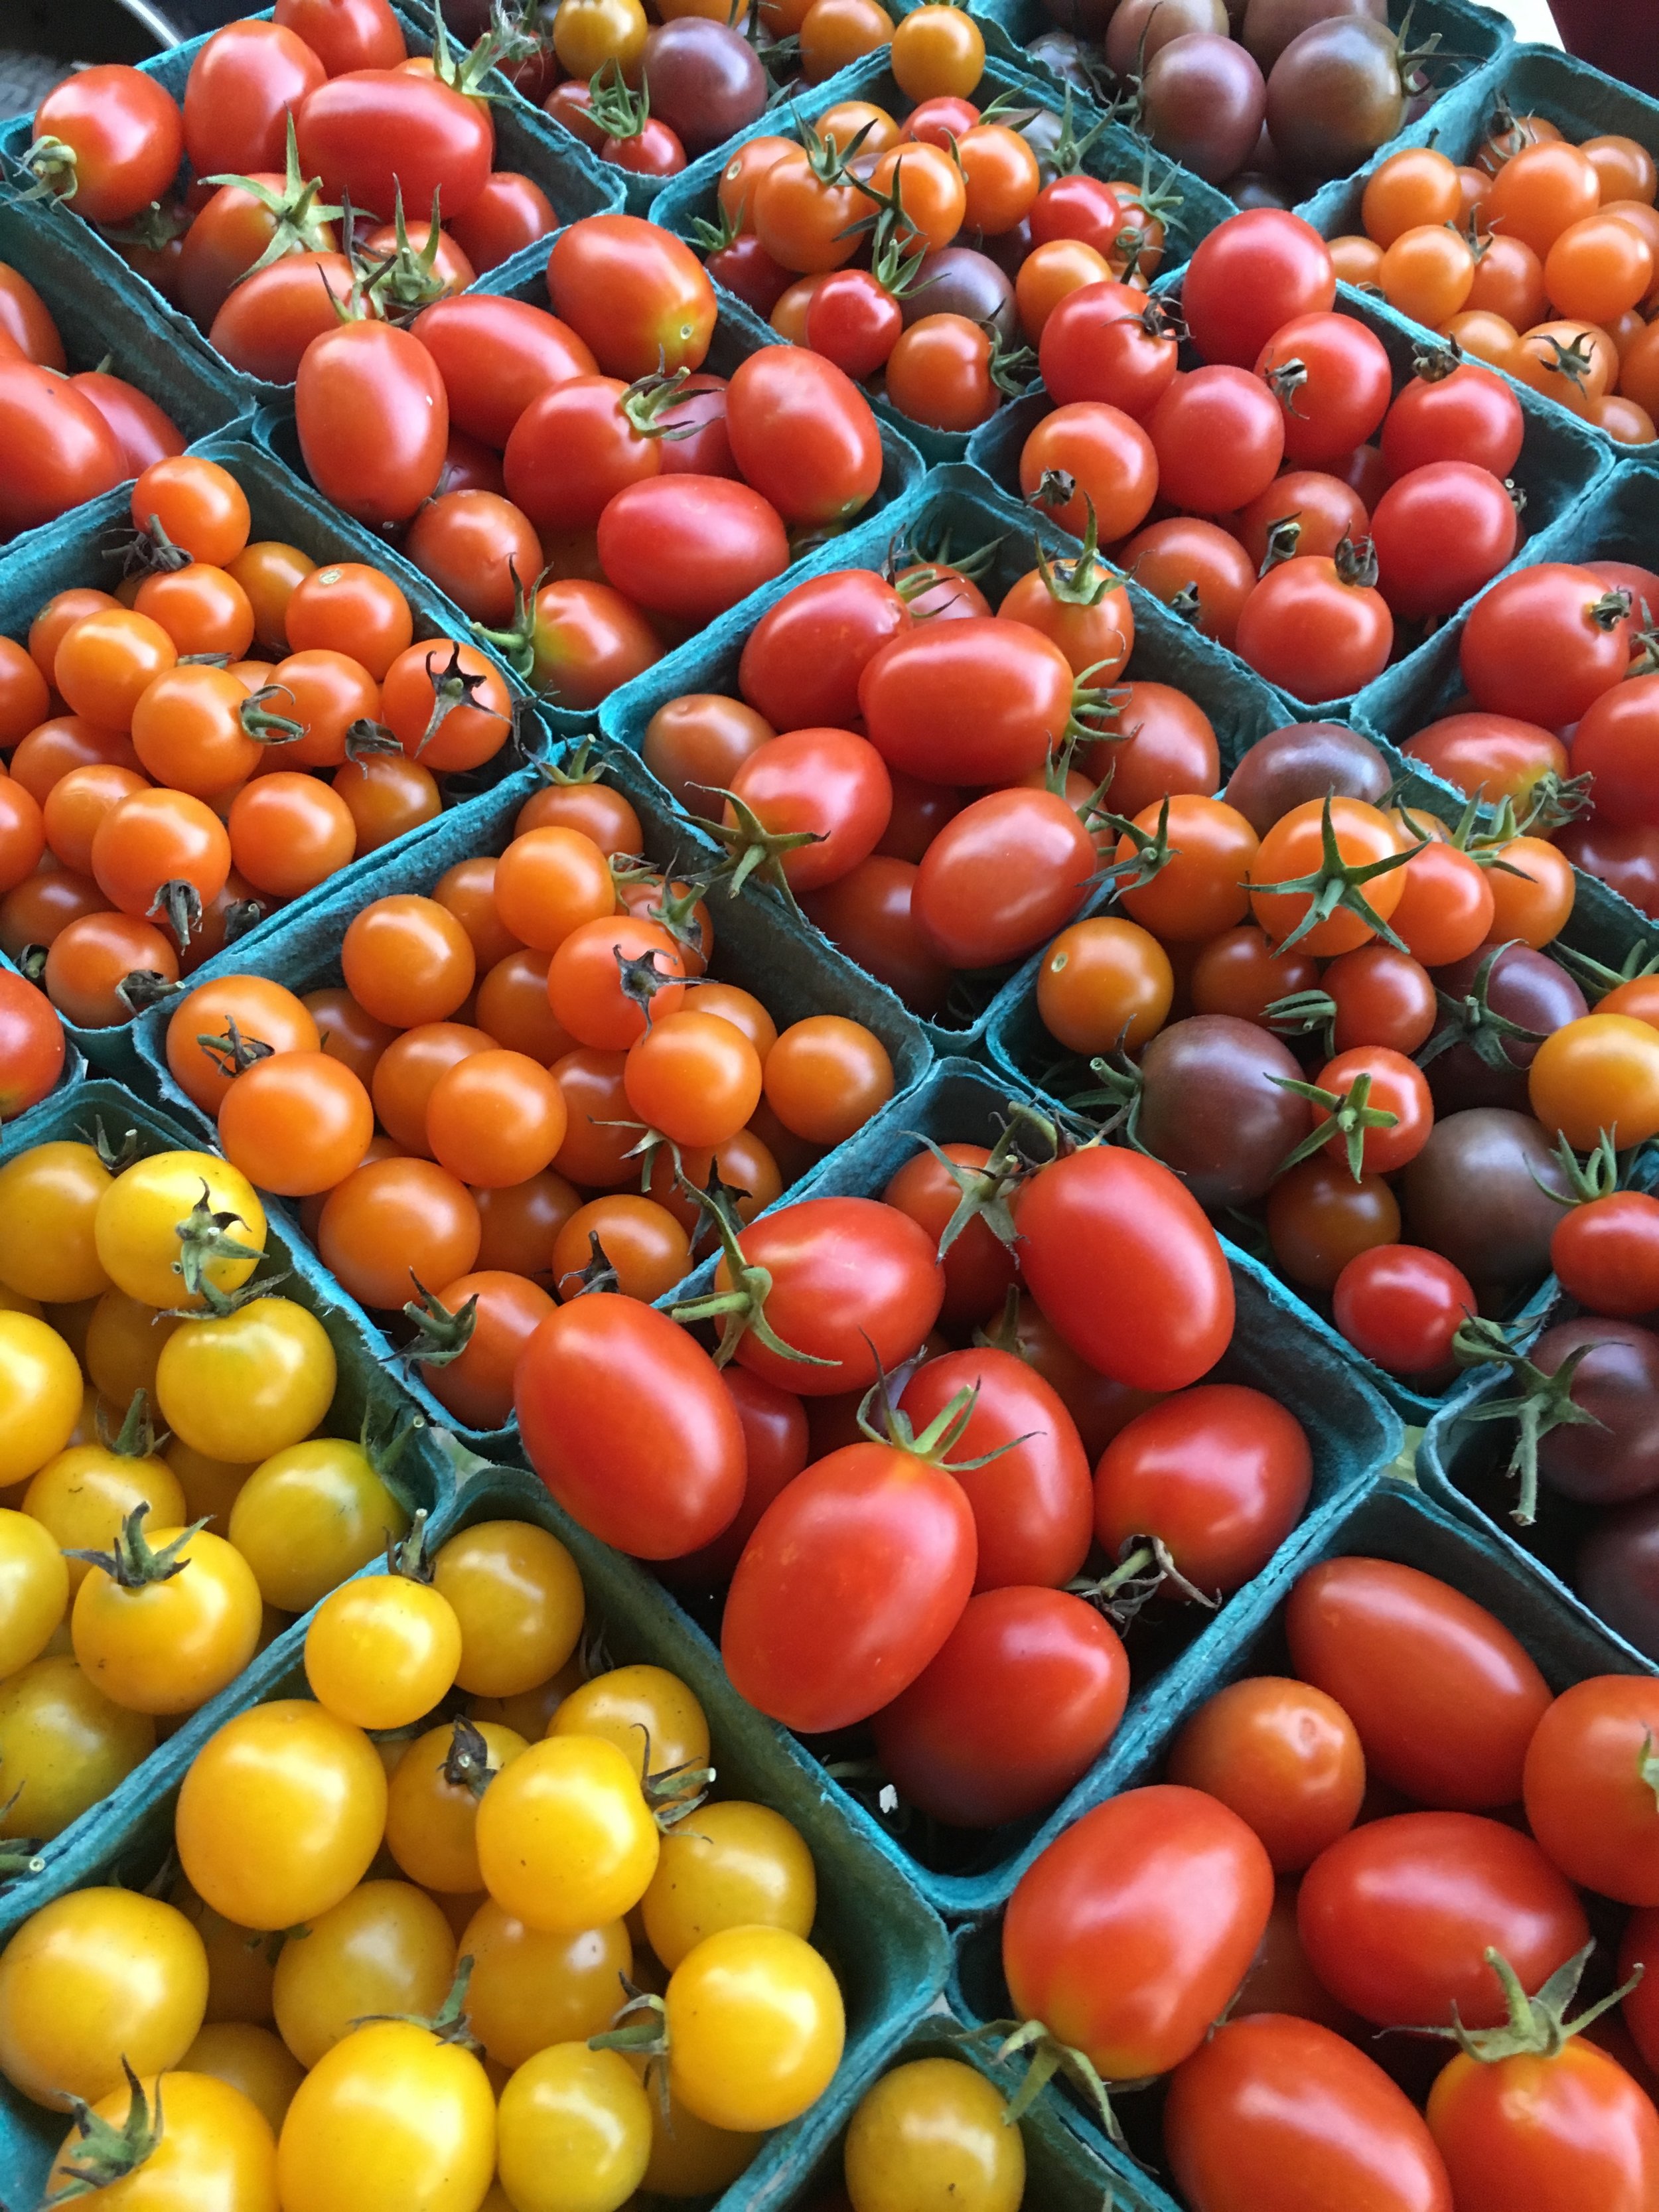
{"points": [[405, 280], [1349, 1113], [649, 397], [300, 220], [743, 1308], [1472, 1020], [1537, 2028], [673, 909], [453, 686], [130, 1563], [1029, 1140], [1334, 884], [1145, 1568], [517, 643], [1085, 580], [449, 2024], [231, 1052], [441, 1335], [205, 1236], [614, 109], [135, 1438], [467, 75], [467, 1763], [108, 2154], [1543, 1402], [752, 850], [1049, 2058]]}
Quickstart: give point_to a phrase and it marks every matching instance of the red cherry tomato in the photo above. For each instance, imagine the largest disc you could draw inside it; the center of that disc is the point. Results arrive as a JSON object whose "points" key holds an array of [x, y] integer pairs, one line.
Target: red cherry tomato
{"points": [[1401, 1306], [372, 420]]}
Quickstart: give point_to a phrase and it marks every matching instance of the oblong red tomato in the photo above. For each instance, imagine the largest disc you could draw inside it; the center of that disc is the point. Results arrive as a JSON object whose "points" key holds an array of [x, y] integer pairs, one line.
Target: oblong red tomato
{"points": [[635, 294], [1019, 1703], [269, 319], [372, 133], [802, 661], [1568, 2127], [1128, 1934], [980, 700], [372, 420], [1119, 1256], [1274, 2114], [691, 546], [856, 1573], [495, 356], [58, 448], [1032, 1504], [1444, 1697], [1589, 1799], [1002, 876], [1397, 1917], [803, 433], [626, 1421]]}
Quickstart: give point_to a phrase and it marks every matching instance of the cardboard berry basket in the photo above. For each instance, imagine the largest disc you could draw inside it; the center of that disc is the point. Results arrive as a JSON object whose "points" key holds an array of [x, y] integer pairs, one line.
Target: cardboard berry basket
{"points": [[366, 1395], [1353, 1434], [756, 946], [1389, 1521], [575, 180]]}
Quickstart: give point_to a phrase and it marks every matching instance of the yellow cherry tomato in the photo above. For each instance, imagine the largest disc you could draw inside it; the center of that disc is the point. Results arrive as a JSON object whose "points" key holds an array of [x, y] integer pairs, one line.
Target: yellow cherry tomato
{"points": [[588, 33], [124, 1342], [49, 1198], [93, 1978], [310, 1516], [432, 1806], [382, 1651], [529, 1711], [384, 1949], [208, 2146], [1598, 1073], [530, 1988], [518, 1597], [174, 1625], [34, 1589], [250, 2059], [64, 1747], [389, 2120], [158, 1235], [41, 1394], [565, 1837], [240, 1962], [14, 1302], [733, 1865], [249, 1384], [932, 2136], [210, 1485], [574, 2131], [86, 1494], [646, 1712], [688, 2157], [755, 2025], [936, 51], [280, 1815]]}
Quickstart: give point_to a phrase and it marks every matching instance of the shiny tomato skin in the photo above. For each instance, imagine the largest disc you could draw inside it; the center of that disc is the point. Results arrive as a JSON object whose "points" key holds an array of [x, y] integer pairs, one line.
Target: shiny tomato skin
{"points": [[1444, 1697], [1019, 1703], [59, 450], [1397, 1915], [495, 357], [1316, 636], [372, 419], [31, 1045], [624, 1418], [372, 132], [855, 1575], [126, 135], [1587, 1801], [1002, 876], [1121, 1260], [803, 434], [853, 1283], [1552, 2133], [975, 702], [1220, 1474], [1248, 278], [1531, 646], [691, 546], [637, 295], [1472, 415], [242, 87], [776, 1446], [802, 661], [1033, 1505], [1128, 1934], [1276, 2114]]}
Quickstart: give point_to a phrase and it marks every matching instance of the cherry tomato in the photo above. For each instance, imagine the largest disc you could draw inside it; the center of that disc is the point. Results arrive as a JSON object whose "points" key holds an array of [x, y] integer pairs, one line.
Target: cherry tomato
{"points": [[372, 419], [1401, 1306], [1284, 1756]]}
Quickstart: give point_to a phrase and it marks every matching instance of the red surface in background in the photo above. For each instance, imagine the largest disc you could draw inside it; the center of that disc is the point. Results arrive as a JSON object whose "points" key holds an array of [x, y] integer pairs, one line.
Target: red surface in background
{"points": [[1619, 36]]}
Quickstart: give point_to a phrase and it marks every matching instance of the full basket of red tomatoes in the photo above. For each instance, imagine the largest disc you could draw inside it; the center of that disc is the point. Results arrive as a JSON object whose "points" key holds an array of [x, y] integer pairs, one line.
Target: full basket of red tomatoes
{"points": [[296, 119], [1339, 1794]]}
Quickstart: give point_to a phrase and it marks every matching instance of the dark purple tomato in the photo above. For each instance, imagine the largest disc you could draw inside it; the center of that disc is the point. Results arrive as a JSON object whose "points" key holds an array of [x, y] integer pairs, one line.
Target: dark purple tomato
{"points": [[1022, 1700], [1304, 761], [1141, 28], [1335, 96], [958, 280], [1473, 1194], [1618, 1573], [1617, 1461], [1203, 102], [1213, 1108], [1487, 1064], [706, 81], [1270, 24]]}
